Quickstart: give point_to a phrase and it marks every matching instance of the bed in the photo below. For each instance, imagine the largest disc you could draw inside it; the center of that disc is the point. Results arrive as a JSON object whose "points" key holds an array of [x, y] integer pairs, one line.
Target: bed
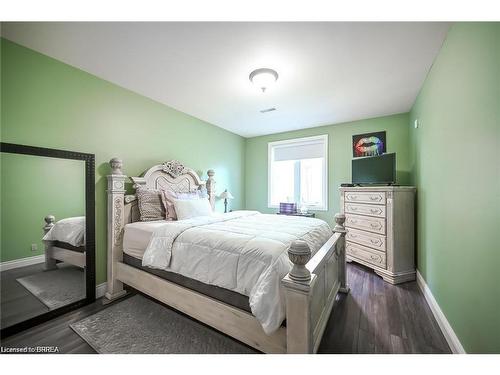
{"points": [[64, 241], [269, 281]]}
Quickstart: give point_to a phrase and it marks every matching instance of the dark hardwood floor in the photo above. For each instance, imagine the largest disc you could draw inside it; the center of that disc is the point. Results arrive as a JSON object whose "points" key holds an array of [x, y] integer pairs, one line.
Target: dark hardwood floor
{"points": [[16, 302], [375, 317]]}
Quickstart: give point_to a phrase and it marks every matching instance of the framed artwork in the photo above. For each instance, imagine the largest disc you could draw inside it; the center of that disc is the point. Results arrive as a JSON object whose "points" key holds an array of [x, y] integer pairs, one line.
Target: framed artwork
{"points": [[369, 144]]}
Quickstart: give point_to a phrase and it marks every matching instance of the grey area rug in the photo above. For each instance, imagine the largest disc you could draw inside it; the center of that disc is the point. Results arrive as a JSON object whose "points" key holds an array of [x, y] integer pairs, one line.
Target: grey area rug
{"points": [[58, 287], [141, 326]]}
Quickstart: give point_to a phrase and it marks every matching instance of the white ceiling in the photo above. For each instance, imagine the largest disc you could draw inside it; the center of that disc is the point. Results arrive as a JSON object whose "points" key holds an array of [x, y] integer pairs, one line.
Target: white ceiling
{"points": [[328, 72]]}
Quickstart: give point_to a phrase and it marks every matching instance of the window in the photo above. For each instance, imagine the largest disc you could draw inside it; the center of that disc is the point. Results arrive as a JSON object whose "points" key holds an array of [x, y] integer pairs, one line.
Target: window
{"points": [[298, 172]]}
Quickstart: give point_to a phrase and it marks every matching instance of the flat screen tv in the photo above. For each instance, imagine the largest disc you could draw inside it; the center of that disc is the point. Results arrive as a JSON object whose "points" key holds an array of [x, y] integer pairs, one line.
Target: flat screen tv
{"points": [[379, 169]]}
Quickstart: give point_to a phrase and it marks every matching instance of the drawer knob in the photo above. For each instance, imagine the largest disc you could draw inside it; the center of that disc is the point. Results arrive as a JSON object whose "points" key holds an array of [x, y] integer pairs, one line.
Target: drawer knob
{"points": [[375, 225], [375, 197], [375, 242], [374, 211]]}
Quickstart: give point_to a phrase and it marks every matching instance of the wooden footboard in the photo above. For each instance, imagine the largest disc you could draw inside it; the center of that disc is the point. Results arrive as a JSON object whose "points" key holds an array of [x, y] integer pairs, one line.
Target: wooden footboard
{"points": [[311, 286]]}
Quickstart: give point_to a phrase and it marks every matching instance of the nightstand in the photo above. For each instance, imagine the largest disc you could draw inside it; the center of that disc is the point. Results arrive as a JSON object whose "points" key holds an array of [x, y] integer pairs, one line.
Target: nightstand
{"points": [[298, 214]]}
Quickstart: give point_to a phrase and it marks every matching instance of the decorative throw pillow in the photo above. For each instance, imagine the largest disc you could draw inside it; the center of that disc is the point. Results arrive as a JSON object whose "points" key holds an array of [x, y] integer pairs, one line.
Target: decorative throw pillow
{"points": [[168, 197], [187, 209], [150, 204]]}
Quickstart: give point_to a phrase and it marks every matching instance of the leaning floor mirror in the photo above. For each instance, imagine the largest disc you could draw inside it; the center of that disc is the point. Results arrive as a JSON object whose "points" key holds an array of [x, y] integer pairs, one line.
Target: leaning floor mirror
{"points": [[47, 230]]}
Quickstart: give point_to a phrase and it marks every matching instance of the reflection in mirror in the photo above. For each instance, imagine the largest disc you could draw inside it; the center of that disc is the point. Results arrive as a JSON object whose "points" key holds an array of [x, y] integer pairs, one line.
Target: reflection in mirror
{"points": [[42, 235]]}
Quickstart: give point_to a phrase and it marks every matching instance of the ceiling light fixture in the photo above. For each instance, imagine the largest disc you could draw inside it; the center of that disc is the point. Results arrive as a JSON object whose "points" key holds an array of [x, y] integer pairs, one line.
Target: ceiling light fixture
{"points": [[263, 78]]}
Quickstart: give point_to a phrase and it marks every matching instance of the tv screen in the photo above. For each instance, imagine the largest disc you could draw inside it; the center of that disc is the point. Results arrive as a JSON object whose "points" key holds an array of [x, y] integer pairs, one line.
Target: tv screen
{"points": [[379, 169]]}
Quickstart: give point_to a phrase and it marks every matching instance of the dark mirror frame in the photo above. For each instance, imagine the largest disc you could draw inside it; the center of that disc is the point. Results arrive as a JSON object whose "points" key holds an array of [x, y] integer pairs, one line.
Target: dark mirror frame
{"points": [[90, 285]]}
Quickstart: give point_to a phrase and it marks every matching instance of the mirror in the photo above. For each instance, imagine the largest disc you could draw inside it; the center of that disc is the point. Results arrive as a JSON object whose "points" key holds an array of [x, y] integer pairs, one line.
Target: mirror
{"points": [[47, 234]]}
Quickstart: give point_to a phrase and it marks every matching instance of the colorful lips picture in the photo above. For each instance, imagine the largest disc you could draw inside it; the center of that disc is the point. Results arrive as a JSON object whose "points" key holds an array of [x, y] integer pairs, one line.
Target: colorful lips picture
{"points": [[370, 144]]}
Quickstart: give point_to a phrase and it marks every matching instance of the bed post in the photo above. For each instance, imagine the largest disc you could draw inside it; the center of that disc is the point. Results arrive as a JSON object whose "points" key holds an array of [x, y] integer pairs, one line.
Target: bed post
{"points": [[116, 202], [210, 185], [310, 289], [298, 287], [339, 228], [50, 263]]}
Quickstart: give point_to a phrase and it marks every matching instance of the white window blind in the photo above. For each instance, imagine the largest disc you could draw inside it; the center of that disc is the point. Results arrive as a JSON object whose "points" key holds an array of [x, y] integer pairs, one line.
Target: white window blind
{"points": [[300, 150], [298, 172]]}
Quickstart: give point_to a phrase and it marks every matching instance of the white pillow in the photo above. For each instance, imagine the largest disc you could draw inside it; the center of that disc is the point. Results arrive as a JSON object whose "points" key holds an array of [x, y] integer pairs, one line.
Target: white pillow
{"points": [[186, 209]]}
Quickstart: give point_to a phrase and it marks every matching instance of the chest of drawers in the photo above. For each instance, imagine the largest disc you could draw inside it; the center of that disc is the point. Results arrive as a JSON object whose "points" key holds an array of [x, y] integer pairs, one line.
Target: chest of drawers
{"points": [[380, 229]]}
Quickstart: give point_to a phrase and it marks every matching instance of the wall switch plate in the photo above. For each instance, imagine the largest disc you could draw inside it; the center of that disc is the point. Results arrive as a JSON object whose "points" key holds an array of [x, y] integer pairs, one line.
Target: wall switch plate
{"points": [[34, 247], [416, 124]]}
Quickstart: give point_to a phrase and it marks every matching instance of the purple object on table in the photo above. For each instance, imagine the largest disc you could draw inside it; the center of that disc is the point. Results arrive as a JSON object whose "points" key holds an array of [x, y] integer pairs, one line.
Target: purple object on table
{"points": [[288, 208]]}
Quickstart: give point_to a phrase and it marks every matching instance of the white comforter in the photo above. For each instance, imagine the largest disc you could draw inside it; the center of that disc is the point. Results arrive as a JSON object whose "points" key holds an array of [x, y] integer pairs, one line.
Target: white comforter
{"points": [[244, 251], [70, 230]]}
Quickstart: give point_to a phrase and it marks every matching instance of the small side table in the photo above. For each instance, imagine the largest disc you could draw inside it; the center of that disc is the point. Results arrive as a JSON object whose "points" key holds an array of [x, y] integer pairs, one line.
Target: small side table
{"points": [[309, 214]]}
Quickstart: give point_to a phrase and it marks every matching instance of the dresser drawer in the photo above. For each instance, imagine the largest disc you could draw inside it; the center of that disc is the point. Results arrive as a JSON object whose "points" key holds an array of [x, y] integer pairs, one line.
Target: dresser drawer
{"points": [[366, 254], [375, 241], [371, 224], [365, 209], [372, 197]]}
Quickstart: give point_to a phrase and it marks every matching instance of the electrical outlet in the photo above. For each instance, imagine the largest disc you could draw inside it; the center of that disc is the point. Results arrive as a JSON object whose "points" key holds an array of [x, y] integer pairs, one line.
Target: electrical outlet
{"points": [[34, 247], [416, 123]]}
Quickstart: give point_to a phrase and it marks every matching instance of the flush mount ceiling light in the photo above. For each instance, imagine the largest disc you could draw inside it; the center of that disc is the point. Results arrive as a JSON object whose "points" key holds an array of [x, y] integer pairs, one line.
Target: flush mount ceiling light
{"points": [[263, 78]]}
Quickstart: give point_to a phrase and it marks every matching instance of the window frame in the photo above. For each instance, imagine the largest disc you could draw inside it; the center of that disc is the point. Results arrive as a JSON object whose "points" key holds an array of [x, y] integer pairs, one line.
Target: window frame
{"points": [[271, 145]]}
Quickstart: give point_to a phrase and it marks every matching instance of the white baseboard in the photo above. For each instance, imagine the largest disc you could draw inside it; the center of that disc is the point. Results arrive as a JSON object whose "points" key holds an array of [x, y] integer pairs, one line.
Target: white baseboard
{"points": [[100, 290], [23, 262], [450, 336]]}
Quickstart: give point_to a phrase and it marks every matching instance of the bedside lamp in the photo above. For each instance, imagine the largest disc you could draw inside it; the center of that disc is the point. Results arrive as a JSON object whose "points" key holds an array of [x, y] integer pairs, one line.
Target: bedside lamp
{"points": [[226, 195]]}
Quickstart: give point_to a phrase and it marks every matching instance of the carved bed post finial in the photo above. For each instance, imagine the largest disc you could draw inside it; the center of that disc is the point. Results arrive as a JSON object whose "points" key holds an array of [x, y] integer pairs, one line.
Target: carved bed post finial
{"points": [[116, 166], [299, 254], [339, 228], [210, 185], [49, 222], [339, 224], [298, 285]]}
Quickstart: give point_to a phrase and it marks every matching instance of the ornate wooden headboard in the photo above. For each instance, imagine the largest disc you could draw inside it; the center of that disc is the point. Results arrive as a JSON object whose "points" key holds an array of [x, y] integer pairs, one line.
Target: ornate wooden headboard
{"points": [[171, 175]]}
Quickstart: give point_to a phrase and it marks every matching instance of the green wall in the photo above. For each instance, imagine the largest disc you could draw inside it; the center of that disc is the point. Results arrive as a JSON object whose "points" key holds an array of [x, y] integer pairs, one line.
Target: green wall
{"points": [[33, 187], [50, 104], [339, 158], [456, 167]]}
